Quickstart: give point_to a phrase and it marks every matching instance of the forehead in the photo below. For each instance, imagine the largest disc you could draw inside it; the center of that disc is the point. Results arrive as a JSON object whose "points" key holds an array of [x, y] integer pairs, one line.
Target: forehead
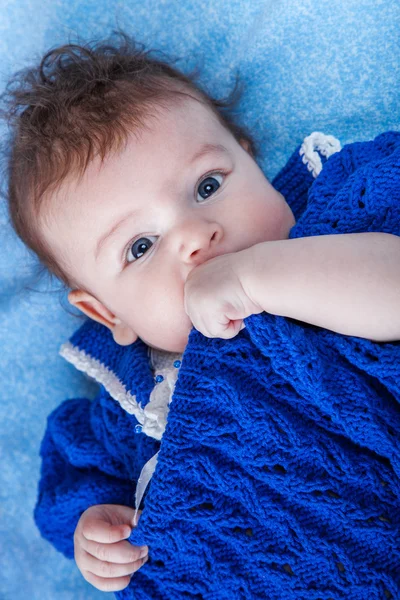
{"points": [[176, 126], [169, 130]]}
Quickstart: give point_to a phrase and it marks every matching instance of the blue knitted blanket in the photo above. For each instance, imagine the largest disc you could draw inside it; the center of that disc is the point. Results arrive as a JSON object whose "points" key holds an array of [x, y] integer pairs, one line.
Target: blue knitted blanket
{"points": [[278, 475]]}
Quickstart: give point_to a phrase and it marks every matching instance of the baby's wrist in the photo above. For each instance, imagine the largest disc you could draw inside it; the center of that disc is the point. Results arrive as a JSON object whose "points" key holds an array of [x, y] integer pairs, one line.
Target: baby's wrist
{"points": [[263, 275], [253, 270]]}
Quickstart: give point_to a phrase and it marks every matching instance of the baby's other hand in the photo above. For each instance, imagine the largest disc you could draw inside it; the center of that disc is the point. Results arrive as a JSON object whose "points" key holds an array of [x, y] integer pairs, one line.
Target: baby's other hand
{"points": [[104, 557], [215, 297]]}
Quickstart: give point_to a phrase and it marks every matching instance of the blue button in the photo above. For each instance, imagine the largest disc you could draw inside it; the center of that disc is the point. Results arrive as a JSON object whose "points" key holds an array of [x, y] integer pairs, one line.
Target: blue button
{"points": [[138, 428], [159, 378], [177, 364]]}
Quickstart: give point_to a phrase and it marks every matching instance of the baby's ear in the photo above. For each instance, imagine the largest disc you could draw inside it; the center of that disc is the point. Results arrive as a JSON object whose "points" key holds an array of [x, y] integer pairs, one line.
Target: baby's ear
{"points": [[93, 308], [246, 145]]}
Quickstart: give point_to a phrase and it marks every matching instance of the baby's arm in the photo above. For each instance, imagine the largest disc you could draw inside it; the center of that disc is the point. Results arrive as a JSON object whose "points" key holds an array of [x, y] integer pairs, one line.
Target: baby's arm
{"points": [[346, 283]]}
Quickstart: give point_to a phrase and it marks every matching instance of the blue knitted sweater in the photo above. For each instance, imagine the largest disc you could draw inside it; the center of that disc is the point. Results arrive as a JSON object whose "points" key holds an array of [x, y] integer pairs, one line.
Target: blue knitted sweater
{"points": [[278, 475]]}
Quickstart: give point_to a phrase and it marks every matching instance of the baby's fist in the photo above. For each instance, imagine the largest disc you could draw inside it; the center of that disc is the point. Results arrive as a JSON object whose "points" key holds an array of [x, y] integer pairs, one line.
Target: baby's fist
{"points": [[102, 554], [215, 296]]}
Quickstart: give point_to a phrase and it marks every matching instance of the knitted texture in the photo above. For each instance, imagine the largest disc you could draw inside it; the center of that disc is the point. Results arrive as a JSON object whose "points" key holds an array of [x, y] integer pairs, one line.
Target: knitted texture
{"points": [[278, 472]]}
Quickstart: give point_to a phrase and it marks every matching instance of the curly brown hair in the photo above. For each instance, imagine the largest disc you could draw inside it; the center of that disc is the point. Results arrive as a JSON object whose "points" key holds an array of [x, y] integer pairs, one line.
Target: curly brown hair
{"points": [[83, 101]]}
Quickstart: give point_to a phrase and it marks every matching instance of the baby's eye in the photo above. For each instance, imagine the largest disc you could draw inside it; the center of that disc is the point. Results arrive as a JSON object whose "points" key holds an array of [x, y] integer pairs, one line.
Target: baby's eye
{"points": [[140, 247], [209, 186]]}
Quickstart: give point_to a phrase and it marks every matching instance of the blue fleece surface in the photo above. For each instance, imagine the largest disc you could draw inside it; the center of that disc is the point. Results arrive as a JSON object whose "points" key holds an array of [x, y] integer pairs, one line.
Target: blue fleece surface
{"points": [[327, 66]]}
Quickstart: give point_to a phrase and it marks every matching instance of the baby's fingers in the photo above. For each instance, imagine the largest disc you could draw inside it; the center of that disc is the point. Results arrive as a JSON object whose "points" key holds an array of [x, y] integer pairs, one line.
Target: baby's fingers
{"points": [[120, 552], [107, 585], [109, 570]]}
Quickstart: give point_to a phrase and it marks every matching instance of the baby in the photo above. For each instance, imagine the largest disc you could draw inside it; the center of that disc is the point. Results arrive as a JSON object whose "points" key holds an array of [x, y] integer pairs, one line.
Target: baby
{"points": [[137, 190]]}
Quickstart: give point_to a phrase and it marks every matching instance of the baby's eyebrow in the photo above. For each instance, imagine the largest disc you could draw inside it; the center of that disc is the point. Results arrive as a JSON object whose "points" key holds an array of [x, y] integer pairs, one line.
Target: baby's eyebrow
{"points": [[111, 232], [208, 149]]}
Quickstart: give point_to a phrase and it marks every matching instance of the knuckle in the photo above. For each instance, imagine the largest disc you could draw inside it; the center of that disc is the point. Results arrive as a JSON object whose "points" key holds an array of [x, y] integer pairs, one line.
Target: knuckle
{"points": [[105, 569], [100, 551], [78, 554], [133, 553], [78, 559], [139, 563], [136, 565]]}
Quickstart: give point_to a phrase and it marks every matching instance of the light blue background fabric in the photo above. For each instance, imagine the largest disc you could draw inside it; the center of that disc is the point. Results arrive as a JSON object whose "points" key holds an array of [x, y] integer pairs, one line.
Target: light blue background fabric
{"points": [[331, 66]]}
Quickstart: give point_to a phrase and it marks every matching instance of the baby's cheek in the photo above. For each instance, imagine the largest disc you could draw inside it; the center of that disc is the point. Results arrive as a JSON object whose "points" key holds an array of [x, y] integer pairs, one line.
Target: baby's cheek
{"points": [[166, 325], [173, 340], [277, 218]]}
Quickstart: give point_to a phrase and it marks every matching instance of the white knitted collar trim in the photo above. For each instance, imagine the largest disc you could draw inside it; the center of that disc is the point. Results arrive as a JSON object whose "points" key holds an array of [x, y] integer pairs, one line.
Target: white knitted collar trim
{"points": [[153, 417], [315, 144]]}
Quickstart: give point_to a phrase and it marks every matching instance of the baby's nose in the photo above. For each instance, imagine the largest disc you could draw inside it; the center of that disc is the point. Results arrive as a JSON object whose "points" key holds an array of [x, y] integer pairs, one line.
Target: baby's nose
{"points": [[200, 243]]}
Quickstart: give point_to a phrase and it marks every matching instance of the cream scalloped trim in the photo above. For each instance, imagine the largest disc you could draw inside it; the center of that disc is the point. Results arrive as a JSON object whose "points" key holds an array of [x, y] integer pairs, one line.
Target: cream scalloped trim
{"points": [[95, 369], [153, 417], [316, 143]]}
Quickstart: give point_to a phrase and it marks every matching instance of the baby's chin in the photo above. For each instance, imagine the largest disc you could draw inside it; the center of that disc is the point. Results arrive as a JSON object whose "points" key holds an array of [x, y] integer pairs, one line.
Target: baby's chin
{"points": [[171, 345], [169, 338]]}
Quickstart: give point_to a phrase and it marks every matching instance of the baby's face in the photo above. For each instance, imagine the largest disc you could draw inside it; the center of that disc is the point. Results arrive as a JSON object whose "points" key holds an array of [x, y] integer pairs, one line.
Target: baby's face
{"points": [[132, 229]]}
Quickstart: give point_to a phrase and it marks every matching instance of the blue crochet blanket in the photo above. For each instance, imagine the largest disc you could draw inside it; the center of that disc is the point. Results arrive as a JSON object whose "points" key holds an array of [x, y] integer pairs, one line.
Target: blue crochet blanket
{"points": [[279, 471]]}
